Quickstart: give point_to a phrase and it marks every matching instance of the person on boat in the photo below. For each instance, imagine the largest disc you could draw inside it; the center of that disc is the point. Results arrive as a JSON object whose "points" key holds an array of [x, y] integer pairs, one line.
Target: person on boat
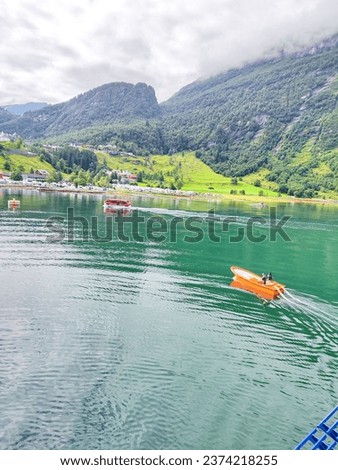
{"points": [[270, 277], [264, 278]]}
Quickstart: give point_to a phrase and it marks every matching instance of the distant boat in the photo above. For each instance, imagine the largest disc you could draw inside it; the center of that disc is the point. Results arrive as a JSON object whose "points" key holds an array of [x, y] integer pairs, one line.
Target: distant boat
{"points": [[251, 282], [13, 204], [116, 204], [259, 205]]}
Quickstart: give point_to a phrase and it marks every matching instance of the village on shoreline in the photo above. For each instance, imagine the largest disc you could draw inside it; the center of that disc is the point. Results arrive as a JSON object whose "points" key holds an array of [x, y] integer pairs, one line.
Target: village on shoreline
{"points": [[127, 182], [125, 189]]}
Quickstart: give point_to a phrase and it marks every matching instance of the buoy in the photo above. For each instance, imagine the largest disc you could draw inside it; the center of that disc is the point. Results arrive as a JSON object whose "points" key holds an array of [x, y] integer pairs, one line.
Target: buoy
{"points": [[13, 204]]}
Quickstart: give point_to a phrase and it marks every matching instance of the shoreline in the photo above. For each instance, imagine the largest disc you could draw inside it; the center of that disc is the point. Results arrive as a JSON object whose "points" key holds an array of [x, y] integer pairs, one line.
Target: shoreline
{"points": [[206, 197]]}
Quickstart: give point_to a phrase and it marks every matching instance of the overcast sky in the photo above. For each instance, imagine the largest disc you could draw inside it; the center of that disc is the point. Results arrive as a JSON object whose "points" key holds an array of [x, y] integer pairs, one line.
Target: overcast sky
{"points": [[53, 50]]}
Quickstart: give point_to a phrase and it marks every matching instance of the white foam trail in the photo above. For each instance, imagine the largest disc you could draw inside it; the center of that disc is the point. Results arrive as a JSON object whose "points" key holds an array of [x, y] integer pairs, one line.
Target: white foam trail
{"points": [[311, 307], [292, 297], [218, 218], [299, 303], [290, 302]]}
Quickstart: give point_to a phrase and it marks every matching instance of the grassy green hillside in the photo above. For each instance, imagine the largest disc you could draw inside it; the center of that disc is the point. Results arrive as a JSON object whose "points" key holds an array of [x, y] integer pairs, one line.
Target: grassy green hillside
{"points": [[9, 155], [26, 163], [164, 170]]}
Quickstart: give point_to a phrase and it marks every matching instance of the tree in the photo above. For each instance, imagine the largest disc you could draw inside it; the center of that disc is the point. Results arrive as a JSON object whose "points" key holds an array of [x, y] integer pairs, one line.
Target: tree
{"points": [[60, 165], [19, 143], [72, 157], [113, 177], [55, 176], [257, 183], [139, 176], [58, 177], [82, 178], [16, 175], [179, 183], [234, 181], [103, 182]]}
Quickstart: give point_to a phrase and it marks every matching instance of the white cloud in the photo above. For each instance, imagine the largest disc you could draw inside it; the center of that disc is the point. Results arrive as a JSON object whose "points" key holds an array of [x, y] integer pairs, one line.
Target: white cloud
{"points": [[57, 49]]}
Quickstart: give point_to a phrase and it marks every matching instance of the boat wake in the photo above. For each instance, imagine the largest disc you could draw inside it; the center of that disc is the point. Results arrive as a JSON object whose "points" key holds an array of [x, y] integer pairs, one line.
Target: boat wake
{"points": [[308, 305], [207, 216]]}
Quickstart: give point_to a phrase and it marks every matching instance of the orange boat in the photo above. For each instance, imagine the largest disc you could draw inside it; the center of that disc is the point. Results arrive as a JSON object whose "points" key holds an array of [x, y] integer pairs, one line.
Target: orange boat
{"points": [[246, 280]]}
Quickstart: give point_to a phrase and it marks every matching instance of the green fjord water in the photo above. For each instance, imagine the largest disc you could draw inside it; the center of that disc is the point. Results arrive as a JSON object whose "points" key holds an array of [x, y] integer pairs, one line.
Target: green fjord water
{"points": [[144, 345]]}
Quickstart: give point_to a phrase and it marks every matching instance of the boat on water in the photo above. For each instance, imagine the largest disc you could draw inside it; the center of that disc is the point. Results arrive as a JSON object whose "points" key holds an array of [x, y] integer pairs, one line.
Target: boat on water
{"points": [[116, 204], [251, 282], [13, 204], [259, 205]]}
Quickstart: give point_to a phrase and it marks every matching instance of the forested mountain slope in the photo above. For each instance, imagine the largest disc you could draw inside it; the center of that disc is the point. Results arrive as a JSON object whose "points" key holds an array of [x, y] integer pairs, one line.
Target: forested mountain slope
{"points": [[279, 114], [110, 103], [276, 119], [4, 115]]}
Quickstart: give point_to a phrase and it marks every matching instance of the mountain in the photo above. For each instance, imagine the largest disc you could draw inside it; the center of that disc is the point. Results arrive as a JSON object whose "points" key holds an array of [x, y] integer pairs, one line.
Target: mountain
{"points": [[4, 115], [111, 103], [278, 115], [20, 109], [274, 121]]}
